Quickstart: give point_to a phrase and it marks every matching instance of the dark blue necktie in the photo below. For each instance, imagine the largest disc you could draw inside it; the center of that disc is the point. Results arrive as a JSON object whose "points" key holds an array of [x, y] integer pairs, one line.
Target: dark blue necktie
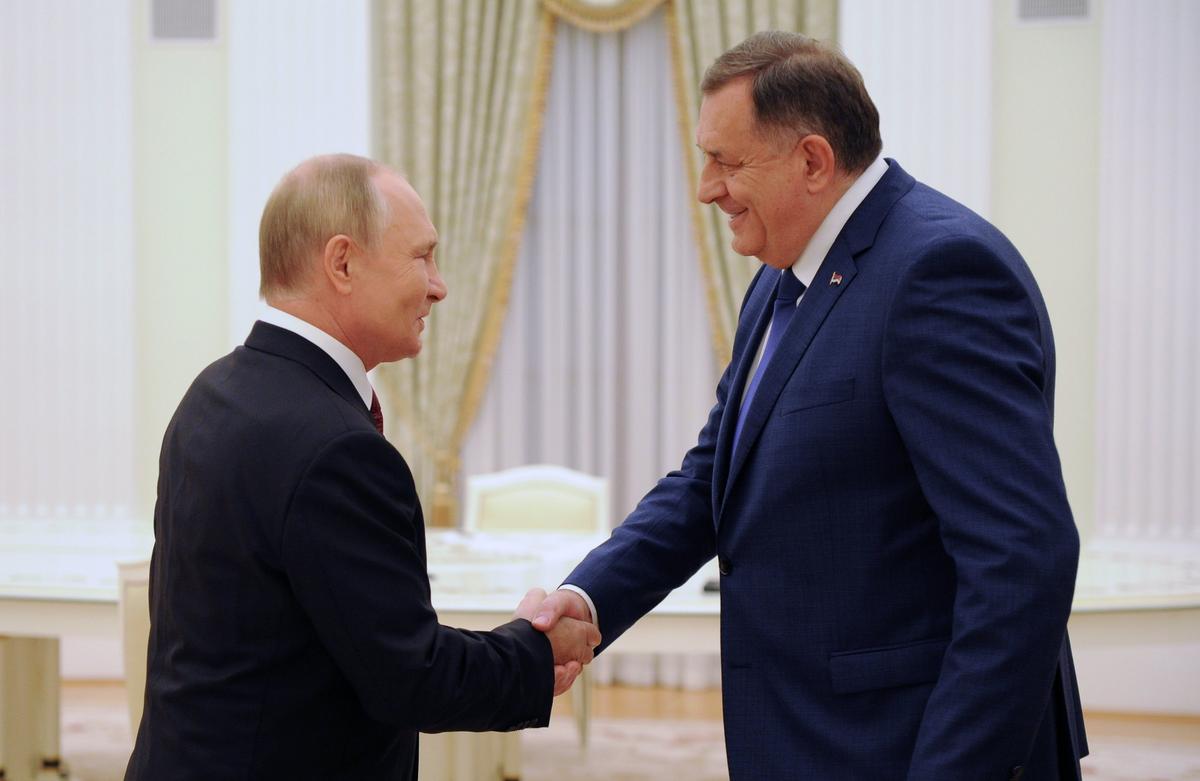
{"points": [[786, 293]]}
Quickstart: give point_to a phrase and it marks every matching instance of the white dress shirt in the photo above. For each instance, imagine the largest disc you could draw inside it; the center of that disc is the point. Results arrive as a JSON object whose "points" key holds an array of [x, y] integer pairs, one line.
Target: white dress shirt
{"points": [[805, 268], [342, 355]]}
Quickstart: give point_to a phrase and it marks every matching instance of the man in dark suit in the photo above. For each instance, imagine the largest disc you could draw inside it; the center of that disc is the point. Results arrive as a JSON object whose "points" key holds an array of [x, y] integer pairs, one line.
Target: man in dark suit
{"points": [[292, 634], [878, 478]]}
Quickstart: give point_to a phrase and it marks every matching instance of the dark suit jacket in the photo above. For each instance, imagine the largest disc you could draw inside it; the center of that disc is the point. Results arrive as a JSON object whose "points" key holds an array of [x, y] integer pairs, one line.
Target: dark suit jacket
{"points": [[292, 634], [897, 553]]}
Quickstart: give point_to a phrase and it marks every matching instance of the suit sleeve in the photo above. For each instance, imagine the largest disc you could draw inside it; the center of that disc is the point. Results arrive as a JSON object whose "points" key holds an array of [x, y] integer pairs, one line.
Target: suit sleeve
{"points": [[352, 554], [667, 537], [662, 543], [965, 368]]}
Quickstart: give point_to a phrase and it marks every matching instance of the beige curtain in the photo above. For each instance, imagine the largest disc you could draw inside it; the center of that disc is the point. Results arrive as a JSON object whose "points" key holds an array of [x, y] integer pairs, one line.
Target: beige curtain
{"points": [[602, 16], [701, 30], [461, 85], [460, 94]]}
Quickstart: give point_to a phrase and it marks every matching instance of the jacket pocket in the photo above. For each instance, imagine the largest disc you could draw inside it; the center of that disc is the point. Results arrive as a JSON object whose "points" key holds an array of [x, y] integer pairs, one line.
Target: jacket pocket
{"points": [[882, 668], [809, 396]]}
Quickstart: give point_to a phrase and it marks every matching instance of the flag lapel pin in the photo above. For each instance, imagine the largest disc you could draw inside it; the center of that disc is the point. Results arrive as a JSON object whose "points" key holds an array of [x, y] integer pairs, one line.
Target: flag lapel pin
{"points": [[836, 279]]}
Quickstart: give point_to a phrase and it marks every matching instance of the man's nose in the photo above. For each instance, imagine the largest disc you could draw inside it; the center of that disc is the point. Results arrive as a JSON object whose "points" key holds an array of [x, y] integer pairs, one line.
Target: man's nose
{"points": [[711, 187], [437, 285]]}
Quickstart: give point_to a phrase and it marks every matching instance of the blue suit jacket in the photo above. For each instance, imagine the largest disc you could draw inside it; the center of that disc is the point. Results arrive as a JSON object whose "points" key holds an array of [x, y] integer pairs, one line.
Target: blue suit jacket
{"points": [[897, 552], [292, 634]]}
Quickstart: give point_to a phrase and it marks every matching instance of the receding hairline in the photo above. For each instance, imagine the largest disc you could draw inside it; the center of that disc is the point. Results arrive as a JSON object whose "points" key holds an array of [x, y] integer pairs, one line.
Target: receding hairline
{"points": [[408, 198]]}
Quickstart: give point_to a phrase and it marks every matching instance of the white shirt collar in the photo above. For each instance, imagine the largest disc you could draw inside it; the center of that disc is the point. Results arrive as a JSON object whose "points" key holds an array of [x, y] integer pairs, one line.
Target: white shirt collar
{"points": [[342, 355], [818, 246]]}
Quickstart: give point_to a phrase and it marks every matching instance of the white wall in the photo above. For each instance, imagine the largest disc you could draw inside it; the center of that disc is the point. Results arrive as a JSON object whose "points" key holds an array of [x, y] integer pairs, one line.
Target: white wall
{"points": [[1142, 661], [1148, 366], [1147, 337], [1044, 197], [299, 85], [180, 194], [928, 67], [66, 208], [67, 319]]}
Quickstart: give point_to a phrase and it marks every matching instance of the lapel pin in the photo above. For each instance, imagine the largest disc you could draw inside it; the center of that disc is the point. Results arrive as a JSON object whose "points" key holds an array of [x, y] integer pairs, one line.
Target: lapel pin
{"points": [[836, 279]]}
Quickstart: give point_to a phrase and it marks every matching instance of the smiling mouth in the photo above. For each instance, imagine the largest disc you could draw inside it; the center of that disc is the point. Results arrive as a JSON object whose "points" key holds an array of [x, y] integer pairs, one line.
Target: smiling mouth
{"points": [[734, 217]]}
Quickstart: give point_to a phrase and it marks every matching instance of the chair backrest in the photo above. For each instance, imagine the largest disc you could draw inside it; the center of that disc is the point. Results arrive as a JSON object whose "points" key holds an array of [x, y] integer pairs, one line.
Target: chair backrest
{"points": [[537, 498], [134, 608]]}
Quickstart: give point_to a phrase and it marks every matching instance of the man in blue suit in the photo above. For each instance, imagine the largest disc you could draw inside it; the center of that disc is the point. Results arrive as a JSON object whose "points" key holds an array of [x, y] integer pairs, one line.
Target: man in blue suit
{"points": [[878, 478]]}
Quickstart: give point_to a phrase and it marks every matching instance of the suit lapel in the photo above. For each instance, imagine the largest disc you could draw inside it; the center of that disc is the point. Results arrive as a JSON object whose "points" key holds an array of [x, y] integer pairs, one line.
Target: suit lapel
{"points": [[757, 311], [814, 307], [856, 237]]}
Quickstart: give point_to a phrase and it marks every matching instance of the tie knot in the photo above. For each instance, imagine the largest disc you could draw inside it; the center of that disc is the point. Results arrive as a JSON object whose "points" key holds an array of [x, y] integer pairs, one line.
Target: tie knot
{"points": [[790, 288]]}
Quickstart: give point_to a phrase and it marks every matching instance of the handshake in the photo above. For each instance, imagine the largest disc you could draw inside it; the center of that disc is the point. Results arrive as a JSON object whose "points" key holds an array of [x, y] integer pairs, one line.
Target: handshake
{"points": [[567, 622]]}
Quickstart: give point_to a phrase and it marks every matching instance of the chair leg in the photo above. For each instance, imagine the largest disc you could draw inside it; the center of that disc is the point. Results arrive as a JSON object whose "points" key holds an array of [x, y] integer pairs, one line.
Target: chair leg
{"points": [[29, 709], [512, 756], [581, 703], [6, 710]]}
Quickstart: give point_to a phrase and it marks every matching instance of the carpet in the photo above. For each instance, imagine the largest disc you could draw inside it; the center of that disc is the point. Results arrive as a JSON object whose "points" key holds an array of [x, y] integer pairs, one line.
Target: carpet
{"points": [[96, 744]]}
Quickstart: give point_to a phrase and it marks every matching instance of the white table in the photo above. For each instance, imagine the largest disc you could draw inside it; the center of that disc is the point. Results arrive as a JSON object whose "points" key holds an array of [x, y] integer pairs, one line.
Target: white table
{"points": [[58, 579]]}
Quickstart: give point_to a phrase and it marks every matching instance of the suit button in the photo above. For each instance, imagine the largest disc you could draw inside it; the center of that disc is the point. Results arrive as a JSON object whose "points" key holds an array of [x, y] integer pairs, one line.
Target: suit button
{"points": [[1016, 773], [723, 565]]}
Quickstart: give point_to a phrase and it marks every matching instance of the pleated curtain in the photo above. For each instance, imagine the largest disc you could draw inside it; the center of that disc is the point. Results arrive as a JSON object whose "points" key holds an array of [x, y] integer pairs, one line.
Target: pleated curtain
{"points": [[460, 97], [459, 94], [700, 31]]}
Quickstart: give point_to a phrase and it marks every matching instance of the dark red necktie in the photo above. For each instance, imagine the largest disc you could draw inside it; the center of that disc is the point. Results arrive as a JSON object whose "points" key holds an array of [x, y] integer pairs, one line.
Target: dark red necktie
{"points": [[376, 412]]}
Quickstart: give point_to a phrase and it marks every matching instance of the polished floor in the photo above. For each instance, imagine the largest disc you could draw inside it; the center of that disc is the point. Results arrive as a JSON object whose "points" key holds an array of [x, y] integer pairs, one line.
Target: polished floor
{"points": [[648, 735]]}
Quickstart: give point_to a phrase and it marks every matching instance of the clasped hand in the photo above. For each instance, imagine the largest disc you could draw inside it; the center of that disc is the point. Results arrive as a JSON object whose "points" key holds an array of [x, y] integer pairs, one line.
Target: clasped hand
{"points": [[571, 632]]}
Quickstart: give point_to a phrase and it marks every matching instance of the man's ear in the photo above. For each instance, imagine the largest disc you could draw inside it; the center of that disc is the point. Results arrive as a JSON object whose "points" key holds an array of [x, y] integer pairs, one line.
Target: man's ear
{"points": [[820, 168], [335, 262]]}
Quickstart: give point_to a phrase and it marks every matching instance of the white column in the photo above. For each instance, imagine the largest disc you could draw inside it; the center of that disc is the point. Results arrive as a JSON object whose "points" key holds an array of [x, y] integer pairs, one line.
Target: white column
{"points": [[1148, 383], [66, 314]]}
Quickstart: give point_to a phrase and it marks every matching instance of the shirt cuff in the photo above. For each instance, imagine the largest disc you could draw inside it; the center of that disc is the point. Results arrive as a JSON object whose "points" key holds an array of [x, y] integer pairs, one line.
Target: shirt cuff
{"points": [[586, 598]]}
